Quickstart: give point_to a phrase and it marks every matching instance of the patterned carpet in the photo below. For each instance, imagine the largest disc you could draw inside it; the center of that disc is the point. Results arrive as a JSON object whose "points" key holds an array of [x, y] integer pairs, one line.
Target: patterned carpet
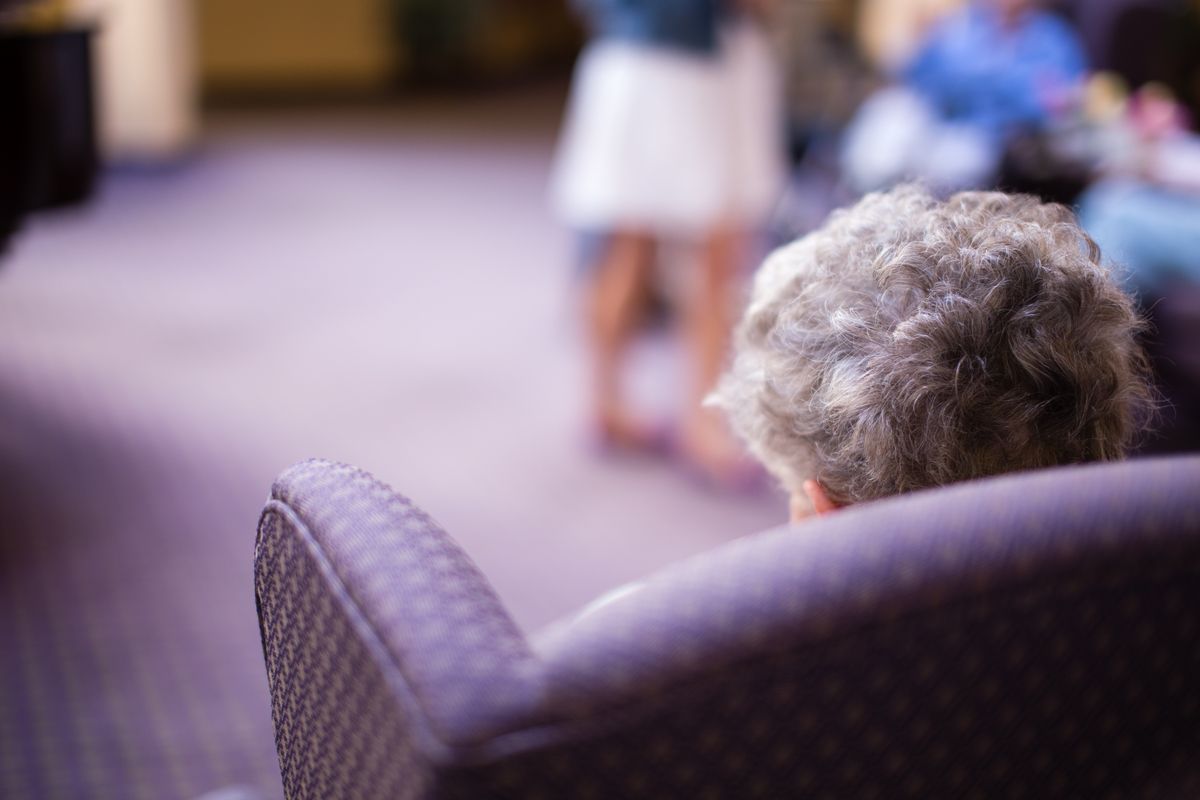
{"points": [[382, 288], [127, 665]]}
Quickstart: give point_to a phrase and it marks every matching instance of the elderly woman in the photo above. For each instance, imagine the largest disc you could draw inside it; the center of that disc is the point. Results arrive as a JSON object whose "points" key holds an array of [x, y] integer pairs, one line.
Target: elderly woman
{"points": [[911, 343]]}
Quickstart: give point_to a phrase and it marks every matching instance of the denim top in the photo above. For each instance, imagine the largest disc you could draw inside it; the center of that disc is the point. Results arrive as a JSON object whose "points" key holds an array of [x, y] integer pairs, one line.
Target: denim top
{"points": [[687, 24]]}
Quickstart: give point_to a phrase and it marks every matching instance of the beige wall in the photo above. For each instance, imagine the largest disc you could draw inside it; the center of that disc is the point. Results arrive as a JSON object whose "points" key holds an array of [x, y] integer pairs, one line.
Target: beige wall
{"points": [[282, 44], [146, 78]]}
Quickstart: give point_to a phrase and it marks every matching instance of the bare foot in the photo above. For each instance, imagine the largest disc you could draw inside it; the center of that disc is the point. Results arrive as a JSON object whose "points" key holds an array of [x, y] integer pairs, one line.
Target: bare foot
{"points": [[711, 449], [617, 430]]}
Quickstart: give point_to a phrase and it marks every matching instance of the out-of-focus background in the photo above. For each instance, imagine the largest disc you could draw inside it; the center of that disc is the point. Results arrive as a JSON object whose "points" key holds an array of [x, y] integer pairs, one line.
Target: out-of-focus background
{"points": [[240, 233]]}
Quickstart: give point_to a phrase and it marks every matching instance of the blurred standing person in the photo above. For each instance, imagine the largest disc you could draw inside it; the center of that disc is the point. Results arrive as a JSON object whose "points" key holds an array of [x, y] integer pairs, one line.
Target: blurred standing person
{"points": [[673, 133], [991, 71]]}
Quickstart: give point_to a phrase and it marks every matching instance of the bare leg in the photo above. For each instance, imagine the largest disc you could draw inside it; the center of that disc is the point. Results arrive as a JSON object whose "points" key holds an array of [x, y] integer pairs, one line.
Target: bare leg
{"points": [[616, 297], [707, 440]]}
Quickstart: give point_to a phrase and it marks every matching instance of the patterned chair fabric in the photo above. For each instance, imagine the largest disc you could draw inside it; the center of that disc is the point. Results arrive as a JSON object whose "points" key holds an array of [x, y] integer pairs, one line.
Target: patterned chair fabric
{"points": [[1035, 635]]}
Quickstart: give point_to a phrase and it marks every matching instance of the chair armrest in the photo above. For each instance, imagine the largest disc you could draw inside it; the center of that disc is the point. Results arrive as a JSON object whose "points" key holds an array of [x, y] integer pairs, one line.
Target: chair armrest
{"points": [[335, 544]]}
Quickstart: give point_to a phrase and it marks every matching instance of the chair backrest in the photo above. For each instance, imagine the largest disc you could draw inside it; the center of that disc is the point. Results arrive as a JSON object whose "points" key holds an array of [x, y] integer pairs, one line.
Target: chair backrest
{"points": [[1032, 635]]}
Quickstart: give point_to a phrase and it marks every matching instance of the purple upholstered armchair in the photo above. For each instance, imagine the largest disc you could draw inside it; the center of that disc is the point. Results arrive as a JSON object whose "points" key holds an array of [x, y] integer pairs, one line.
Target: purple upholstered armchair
{"points": [[1036, 635]]}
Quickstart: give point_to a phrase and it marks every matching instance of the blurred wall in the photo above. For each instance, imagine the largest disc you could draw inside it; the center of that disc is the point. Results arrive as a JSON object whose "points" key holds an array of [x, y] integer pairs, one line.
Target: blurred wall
{"points": [[302, 47], [285, 45]]}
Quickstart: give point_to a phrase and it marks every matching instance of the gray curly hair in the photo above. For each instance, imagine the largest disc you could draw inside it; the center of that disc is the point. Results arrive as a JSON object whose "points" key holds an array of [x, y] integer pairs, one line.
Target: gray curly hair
{"points": [[911, 343]]}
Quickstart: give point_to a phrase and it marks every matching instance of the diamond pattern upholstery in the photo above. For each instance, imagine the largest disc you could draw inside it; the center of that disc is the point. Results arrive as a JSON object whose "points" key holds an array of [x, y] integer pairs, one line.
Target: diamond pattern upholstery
{"points": [[1030, 635]]}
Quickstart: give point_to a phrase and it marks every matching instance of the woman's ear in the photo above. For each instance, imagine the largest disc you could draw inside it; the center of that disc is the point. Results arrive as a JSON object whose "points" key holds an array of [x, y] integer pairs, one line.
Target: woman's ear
{"points": [[811, 501], [820, 501]]}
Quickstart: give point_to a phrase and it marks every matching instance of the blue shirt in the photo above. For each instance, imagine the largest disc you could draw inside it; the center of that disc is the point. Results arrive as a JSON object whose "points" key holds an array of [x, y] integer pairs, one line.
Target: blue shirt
{"points": [[975, 71]]}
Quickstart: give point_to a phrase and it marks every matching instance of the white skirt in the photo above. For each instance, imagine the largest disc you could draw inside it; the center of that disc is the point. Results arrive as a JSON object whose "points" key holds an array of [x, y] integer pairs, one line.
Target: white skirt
{"points": [[660, 140]]}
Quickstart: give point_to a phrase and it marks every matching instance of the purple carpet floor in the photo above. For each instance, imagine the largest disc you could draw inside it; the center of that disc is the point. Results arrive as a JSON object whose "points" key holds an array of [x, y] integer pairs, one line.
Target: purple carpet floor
{"points": [[383, 288]]}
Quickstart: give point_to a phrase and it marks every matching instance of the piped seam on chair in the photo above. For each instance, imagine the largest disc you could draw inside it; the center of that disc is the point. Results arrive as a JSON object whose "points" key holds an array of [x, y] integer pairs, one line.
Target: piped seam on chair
{"points": [[609, 716]]}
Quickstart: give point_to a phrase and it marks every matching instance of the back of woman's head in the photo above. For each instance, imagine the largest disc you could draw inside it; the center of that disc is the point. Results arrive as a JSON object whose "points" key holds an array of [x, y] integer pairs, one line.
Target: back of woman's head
{"points": [[911, 343]]}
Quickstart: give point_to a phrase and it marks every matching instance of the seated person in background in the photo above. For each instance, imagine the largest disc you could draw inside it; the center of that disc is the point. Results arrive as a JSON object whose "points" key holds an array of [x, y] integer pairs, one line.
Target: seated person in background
{"points": [[1145, 209], [911, 343], [1145, 214], [984, 74]]}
